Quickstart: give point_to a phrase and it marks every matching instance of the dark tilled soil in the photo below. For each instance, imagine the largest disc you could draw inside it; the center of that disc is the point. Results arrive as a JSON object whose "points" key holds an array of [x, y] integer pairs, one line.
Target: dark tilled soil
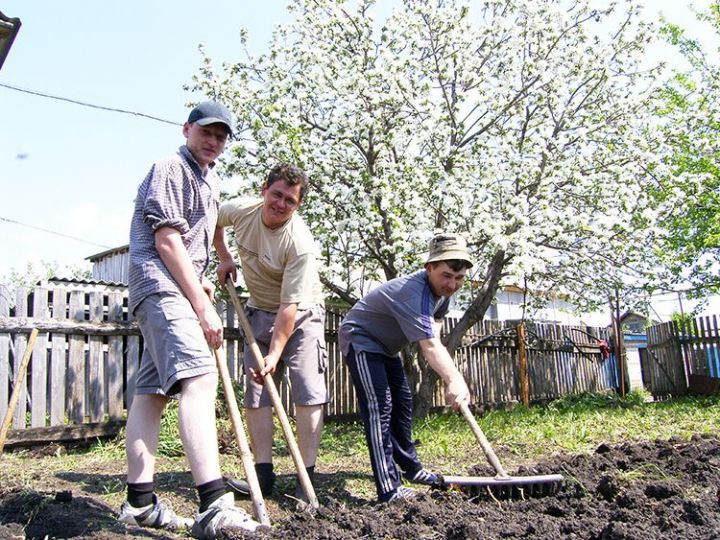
{"points": [[634, 491]]}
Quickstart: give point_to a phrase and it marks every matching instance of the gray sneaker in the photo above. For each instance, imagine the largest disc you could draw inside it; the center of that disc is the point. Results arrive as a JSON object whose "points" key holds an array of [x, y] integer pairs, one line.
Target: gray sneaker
{"points": [[401, 494], [157, 515], [222, 515], [424, 477]]}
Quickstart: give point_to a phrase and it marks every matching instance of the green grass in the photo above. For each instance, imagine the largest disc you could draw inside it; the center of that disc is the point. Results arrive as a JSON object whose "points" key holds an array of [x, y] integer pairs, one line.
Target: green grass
{"points": [[573, 424]]}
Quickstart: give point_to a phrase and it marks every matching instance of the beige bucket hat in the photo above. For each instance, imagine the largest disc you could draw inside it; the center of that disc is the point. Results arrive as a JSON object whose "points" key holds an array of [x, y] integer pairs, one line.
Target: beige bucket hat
{"points": [[448, 246]]}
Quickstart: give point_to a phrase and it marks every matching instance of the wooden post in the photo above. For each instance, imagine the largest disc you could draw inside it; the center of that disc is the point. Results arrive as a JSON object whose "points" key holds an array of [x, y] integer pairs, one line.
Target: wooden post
{"points": [[522, 366], [19, 384]]}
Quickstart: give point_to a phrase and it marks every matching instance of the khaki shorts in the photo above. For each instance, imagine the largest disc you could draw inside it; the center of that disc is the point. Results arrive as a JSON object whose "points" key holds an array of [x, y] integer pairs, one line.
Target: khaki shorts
{"points": [[175, 346], [304, 356]]}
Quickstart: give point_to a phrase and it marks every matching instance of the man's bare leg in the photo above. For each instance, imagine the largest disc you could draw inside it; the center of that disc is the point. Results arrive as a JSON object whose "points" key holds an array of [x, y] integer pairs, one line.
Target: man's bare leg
{"points": [[142, 431], [196, 418]]}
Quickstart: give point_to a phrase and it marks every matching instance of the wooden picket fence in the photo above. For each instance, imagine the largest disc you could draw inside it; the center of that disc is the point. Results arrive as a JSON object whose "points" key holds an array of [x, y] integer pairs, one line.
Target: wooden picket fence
{"points": [[86, 357], [561, 360], [680, 354]]}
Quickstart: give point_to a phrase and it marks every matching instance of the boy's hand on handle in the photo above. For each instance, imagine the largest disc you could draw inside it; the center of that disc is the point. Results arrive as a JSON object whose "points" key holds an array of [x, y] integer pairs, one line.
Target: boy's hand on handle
{"points": [[457, 392], [209, 319], [226, 269], [271, 362]]}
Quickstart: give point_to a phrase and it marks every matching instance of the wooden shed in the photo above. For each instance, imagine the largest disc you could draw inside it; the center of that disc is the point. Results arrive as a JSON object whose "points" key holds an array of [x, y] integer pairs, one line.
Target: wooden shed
{"points": [[111, 265]]}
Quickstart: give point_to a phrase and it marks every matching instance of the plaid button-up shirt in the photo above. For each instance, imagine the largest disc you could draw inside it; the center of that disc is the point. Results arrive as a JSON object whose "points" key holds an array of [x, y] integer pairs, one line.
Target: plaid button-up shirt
{"points": [[174, 194]]}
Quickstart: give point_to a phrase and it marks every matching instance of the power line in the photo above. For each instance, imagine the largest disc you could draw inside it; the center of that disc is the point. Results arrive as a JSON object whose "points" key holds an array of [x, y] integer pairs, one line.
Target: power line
{"points": [[76, 102], [54, 232]]}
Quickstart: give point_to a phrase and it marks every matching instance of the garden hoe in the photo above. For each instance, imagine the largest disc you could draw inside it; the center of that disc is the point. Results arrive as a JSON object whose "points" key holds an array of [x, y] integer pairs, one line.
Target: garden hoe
{"points": [[502, 485], [258, 502], [302, 473]]}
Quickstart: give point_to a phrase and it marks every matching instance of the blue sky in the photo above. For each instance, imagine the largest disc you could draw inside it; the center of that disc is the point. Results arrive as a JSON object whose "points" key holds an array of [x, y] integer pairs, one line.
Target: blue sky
{"points": [[74, 170]]}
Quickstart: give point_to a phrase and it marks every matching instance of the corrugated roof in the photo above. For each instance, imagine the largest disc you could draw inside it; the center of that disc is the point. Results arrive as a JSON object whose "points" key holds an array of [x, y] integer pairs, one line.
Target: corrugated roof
{"points": [[79, 281], [112, 251]]}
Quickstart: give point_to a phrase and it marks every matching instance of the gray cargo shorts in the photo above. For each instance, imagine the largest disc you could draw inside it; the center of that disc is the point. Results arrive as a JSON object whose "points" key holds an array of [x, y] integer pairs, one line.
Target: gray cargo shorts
{"points": [[304, 357], [175, 346]]}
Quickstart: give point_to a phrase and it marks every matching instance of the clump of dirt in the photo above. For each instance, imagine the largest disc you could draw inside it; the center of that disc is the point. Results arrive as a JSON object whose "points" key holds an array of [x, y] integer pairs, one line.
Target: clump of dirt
{"points": [[633, 491]]}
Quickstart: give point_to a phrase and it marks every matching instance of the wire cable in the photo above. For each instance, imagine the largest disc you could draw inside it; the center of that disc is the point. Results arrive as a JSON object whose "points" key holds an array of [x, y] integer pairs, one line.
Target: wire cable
{"points": [[82, 103], [54, 232]]}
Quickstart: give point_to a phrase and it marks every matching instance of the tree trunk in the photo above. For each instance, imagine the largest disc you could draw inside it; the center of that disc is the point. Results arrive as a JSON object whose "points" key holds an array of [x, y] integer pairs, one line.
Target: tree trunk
{"points": [[480, 303]]}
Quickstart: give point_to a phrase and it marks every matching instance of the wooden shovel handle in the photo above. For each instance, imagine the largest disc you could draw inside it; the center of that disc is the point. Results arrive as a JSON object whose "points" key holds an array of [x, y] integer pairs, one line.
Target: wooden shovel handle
{"points": [[269, 382], [247, 458]]}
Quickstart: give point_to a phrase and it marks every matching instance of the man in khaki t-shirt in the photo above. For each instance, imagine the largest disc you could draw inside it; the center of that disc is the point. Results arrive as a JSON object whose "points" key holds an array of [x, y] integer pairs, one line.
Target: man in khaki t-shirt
{"points": [[286, 311]]}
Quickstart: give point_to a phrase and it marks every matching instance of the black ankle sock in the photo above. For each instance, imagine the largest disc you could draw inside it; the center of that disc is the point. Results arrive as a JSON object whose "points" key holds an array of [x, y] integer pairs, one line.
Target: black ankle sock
{"points": [[311, 474], [210, 492], [264, 468], [266, 477], [140, 494]]}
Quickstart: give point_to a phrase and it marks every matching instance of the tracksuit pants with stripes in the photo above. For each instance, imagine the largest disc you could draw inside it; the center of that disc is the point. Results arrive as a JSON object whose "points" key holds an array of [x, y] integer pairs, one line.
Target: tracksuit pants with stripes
{"points": [[386, 406]]}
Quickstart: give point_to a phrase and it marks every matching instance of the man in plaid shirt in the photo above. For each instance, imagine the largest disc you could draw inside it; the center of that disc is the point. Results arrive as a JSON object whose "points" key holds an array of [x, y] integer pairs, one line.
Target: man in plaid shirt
{"points": [[170, 238]]}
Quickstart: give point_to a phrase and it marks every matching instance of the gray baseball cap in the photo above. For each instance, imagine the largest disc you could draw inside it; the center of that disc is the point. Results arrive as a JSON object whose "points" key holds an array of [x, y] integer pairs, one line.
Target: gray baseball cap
{"points": [[448, 246], [211, 112]]}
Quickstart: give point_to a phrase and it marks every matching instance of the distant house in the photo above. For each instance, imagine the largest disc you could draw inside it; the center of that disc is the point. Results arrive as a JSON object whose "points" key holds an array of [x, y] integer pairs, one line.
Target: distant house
{"points": [[111, 265], [510, 305], [636, 323]]}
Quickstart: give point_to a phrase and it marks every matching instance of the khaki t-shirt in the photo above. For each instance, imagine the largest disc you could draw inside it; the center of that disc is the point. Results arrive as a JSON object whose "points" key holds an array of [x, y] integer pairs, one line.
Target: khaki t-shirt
{"points": [[279, 266]]}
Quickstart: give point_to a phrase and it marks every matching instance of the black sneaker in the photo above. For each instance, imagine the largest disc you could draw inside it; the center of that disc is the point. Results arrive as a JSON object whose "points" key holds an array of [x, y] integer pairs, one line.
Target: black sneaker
{"points": [[239, 488], [266, 479]]}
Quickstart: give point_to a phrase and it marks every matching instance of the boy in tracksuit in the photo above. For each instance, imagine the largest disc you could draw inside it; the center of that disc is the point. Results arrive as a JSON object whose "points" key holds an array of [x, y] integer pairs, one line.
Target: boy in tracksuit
{"points": [[408, 309]]}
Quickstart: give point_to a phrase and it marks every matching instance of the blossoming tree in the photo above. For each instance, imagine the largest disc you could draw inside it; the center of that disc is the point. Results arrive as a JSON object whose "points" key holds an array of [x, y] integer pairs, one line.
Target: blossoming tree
{"points": [[523, 124]]}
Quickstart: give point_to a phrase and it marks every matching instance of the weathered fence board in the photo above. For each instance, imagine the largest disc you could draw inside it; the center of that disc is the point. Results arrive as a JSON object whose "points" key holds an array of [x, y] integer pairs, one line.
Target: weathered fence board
{"points": [[38, 368], [5, 375], [94, 364], [113, 360], [20, 343], [76, 362], [58, 361], [678, 350]]}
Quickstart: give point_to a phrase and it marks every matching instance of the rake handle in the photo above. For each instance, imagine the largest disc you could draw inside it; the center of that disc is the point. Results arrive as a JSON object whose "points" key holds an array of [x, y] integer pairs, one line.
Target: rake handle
{"points": [[482, 440], [247, 458], [269, 382]]}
